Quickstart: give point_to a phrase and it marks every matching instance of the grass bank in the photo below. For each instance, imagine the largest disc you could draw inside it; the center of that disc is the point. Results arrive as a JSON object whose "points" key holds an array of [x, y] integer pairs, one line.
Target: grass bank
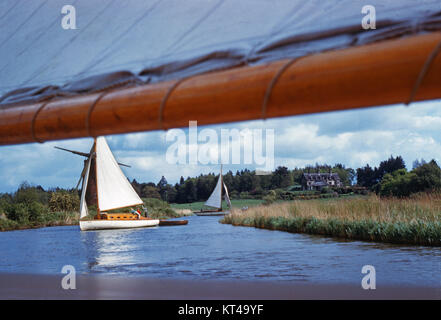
{"points": [[415, 220]]}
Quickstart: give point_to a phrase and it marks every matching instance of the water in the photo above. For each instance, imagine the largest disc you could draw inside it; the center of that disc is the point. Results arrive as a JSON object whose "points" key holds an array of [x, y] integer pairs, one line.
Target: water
{"points": [[206, 249]]}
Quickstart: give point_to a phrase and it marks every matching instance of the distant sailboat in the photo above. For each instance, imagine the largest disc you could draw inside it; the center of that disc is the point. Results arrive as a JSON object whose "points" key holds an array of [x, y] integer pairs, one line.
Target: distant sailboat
{"points": [[103, 181], [215, 199]]}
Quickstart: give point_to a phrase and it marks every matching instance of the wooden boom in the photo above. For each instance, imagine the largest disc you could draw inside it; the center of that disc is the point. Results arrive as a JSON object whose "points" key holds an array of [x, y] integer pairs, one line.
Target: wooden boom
{"points": [[382, 73]]}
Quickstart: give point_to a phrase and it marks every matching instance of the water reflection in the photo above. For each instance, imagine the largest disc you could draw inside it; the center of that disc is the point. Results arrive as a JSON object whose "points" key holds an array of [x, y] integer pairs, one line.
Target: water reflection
{"points": [[107, 248]]}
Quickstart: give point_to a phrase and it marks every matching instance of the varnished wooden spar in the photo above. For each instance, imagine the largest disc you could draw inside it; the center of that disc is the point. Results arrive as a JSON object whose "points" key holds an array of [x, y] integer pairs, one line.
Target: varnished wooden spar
{"points": [[378, 74], [173, 222]]}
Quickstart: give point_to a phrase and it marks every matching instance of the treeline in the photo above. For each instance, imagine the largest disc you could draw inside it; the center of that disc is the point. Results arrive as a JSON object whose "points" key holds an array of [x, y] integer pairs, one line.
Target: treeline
{"points": [[32, 206], [391, 177], [244, 184]]}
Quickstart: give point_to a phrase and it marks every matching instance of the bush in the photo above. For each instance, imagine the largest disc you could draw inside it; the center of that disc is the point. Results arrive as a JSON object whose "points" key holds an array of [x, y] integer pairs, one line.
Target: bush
{"points": [[6, 224], [36, 211], [270, 197], [325, 190], [17, 212], [62, 200], [234, 195], [157, 208], [245, 195]]}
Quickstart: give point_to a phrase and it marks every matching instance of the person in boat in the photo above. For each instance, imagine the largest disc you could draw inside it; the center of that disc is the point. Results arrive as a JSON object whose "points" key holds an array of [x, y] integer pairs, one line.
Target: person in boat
{"points": [[146, 213], [132, 211]]}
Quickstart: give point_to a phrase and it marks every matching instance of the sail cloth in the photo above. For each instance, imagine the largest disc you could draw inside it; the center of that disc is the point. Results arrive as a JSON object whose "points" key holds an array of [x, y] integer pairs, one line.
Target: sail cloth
{"points": [[114, 190], [83, 205], [215, 199], [118, 43], [227, 197]]}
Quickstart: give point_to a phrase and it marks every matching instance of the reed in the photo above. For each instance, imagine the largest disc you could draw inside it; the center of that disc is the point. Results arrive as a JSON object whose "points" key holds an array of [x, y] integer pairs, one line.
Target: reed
{"points": [[415, 220]]}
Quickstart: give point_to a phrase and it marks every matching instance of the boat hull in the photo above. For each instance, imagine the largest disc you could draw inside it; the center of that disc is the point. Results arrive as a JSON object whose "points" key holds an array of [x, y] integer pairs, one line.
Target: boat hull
{"points": [[86, 225], [173, 222]]}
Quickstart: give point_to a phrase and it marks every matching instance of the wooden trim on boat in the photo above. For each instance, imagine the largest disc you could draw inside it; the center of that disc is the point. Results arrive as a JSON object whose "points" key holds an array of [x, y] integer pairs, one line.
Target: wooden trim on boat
{"points": [[172, 222], [381, 73]]}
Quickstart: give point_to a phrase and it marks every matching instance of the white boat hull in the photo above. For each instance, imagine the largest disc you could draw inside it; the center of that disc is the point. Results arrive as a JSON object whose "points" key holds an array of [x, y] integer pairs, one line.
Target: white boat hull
{"points": [[116, 224]]}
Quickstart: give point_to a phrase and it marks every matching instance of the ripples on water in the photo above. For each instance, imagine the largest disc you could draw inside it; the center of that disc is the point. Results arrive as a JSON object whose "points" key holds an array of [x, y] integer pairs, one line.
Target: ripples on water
{"points": [[206, 249]]}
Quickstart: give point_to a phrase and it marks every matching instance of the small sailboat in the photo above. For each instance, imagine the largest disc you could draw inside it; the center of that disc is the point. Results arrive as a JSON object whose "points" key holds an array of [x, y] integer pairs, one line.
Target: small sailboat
{"points": [[104, 183], [215, 200]]}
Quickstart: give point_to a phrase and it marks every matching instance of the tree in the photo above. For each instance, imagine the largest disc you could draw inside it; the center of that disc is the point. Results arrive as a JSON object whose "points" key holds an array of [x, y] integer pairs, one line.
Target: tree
{"points": [[28, 194], [400, 183], [190, 190], [388, 166], [281, 178], [162, 183], [428, 177], [418, 163], [397, 183], [366, 176], [347, 175], [150, 192], [369, 177], [162, 188]]}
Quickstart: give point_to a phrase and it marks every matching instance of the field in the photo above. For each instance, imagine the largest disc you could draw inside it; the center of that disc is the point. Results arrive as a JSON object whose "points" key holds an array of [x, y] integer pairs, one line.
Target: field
{"points": [[415, 220]]}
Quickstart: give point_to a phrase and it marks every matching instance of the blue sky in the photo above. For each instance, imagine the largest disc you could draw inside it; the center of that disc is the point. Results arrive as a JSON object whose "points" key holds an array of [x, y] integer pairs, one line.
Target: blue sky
{"points": [[353, 138]]}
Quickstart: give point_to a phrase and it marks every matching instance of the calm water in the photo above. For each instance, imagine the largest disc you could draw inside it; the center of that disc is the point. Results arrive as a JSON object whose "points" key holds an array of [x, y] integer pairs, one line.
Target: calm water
{"points": [[206, 249]]}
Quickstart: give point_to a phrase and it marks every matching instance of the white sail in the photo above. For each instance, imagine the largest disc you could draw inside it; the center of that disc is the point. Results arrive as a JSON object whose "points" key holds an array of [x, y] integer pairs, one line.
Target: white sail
{"points": [[83, 205], [114, 190], [227, 197], [215, 199]]}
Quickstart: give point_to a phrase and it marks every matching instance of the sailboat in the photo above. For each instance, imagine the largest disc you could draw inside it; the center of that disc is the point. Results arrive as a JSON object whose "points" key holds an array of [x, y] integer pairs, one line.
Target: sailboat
{"points": [[215, 199], [104, 183]]}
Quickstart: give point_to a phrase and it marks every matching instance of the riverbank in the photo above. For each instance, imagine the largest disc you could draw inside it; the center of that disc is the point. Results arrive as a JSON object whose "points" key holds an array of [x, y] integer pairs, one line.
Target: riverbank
{"points": [[415, 221], [20, 286], [53, 219]]}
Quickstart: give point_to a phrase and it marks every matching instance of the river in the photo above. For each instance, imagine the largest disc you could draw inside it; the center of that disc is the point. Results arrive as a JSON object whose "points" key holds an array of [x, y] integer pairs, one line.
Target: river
{"points": [[206, 249]]}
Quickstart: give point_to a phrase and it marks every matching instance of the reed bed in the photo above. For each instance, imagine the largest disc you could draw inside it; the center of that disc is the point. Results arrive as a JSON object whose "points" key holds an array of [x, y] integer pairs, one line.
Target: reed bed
{"points": [[415, 220]]}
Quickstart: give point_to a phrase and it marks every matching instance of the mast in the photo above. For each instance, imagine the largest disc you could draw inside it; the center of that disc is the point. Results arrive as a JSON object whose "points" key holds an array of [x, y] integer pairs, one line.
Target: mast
{"points": [[222, 187], [98, 213]]}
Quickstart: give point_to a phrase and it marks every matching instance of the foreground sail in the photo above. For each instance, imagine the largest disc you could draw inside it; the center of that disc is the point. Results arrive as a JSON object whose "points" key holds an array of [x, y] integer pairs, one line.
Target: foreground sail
{"points": [[113, 191], [215, 199]]}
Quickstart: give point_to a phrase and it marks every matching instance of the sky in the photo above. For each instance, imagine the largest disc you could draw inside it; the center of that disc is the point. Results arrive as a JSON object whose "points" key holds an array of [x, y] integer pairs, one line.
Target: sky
{"points": [[353, 138]]}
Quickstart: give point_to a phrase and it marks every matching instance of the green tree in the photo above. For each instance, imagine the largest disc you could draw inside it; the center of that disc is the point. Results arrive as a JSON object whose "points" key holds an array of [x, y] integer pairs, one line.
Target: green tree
{"points": [[151, 192]]}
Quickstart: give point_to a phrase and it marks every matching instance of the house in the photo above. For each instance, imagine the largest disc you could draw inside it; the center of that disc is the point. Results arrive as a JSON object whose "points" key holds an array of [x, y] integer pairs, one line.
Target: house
{"points": [[316, 181]]}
